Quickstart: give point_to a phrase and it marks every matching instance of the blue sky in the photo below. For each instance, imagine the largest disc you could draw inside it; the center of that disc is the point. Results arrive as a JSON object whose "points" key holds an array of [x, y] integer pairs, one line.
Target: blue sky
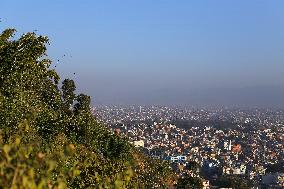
{"points": [[162, 51]]}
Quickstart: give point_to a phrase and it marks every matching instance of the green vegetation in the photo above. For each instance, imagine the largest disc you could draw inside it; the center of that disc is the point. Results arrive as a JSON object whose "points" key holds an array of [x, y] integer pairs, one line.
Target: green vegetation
{"points": [[233, 181], [48, 135], [189, 183]]}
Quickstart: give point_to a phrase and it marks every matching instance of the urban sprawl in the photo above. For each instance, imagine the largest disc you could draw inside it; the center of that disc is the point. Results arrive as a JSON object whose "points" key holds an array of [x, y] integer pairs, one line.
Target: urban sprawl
{"points": [[247, 143]]}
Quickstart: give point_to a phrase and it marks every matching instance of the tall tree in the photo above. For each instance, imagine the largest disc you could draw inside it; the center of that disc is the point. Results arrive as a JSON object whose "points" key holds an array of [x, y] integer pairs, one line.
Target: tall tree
{"points": [[83, 103], [68, 93]]}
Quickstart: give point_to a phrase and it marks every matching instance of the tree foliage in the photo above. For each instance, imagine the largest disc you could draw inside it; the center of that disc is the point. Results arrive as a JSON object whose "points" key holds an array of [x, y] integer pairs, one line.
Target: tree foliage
{"points": [[49, 137], [188, 182], [233, 181]]}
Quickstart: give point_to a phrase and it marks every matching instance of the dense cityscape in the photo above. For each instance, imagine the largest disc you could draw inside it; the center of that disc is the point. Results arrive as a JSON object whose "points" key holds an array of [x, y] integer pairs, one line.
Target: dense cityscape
{"points": [[244, 144]]}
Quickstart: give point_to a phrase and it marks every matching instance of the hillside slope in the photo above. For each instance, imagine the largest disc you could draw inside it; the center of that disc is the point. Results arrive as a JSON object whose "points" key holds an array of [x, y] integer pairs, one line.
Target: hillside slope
{"points": [[49, 137]]}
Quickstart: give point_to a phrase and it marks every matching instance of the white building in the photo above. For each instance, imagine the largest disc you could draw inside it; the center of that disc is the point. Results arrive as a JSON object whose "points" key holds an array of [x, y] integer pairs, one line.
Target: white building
{"points": [[139, 143]]}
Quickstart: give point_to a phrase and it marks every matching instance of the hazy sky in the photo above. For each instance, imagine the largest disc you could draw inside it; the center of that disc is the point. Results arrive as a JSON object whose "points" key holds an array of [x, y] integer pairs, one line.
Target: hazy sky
{"points": [[209, 52]]}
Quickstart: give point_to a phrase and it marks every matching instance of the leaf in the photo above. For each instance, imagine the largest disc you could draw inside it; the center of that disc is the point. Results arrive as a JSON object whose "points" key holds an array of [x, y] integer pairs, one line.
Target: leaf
{"points": [[76, 172], [6, 149], [61, 185], [18, 141]]}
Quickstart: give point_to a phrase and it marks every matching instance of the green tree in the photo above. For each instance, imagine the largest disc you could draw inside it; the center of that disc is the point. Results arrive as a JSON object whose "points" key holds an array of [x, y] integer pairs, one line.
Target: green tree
{"points": [[83, 103], [232, 181], [68, 93], [23, 71], [187, 182]]}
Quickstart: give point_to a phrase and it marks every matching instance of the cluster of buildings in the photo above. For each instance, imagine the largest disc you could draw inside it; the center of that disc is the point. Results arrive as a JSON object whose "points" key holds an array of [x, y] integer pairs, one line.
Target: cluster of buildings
{"points": [[218, 142]]}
